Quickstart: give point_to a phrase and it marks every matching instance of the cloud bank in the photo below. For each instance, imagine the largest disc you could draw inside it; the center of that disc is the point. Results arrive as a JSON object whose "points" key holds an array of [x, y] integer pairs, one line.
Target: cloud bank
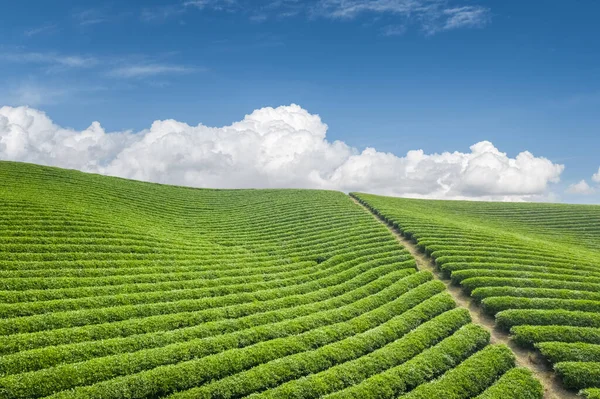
{"points": [[272, 147]]}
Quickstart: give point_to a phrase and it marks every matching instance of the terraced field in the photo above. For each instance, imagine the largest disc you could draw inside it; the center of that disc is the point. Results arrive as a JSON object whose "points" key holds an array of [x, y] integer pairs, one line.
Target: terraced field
{"points": [[112, 288], [535, 267]]}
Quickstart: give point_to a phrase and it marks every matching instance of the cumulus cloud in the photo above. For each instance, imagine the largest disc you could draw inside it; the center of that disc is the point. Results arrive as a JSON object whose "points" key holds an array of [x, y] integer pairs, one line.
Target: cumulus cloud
{"points": [[596, 176], [580, 188], [271, 147]]}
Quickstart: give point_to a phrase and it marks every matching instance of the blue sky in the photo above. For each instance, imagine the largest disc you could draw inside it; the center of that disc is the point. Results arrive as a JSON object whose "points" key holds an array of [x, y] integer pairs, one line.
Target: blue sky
{"points": [[396, 75]]}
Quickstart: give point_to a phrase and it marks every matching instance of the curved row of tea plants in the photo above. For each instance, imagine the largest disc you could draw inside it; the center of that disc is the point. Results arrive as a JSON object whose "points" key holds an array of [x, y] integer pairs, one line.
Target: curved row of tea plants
{"points": [[536, 267], [112, 288]]}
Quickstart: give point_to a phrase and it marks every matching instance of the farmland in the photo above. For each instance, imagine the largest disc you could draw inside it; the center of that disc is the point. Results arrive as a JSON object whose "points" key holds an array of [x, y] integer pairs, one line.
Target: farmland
{"points": [[534, 267], [111, 288]]}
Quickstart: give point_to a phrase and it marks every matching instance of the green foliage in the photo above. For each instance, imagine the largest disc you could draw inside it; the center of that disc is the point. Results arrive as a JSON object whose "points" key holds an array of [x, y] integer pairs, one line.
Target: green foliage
{"points": [[291, 367], [422, 368], [535, 266], [538, 293], [111, 288], [494, 305], [515, 317], [591, 393], [529, 335], [563, 351], [374, 293], [579, 375], [469, 378], [391, 355], [516, 383], [102, 368], [184, 375]]}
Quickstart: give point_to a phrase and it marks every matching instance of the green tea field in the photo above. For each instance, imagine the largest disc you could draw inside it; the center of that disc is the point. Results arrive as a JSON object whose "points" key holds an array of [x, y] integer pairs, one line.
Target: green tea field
{"points": [[534, 267], [113, 288]]}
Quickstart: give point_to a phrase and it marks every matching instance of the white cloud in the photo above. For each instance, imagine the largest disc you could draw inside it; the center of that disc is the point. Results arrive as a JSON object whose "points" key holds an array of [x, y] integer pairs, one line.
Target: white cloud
{"points": [[580, 188], [352, 8], [48, 28], [146, 70], [432, 15], [71, 61], [271, 147], [133, 66], [468, 16], [596, 176], [456, 18]]}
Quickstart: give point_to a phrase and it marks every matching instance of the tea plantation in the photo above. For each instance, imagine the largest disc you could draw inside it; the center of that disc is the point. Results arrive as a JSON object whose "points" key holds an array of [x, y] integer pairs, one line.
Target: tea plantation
{"points": [[536, 267], [111, 288]]}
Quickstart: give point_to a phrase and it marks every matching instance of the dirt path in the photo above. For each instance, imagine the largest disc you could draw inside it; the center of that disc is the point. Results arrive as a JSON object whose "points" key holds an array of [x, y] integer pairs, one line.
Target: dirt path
{"points": [[553, 388]]}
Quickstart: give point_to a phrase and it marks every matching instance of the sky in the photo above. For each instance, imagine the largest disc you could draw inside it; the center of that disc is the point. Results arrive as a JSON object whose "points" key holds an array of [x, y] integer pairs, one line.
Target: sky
{"points": [[462, 99]]}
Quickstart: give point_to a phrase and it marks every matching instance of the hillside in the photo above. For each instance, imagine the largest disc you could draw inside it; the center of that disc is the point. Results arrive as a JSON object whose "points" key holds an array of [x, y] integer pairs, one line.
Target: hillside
{"points": [[111, 288], [535, 267]]}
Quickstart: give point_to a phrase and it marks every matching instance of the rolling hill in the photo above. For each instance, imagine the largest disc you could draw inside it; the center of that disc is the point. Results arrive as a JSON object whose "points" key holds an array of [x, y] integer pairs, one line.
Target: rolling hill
{"points": [[112, 288], [535, 267]]}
